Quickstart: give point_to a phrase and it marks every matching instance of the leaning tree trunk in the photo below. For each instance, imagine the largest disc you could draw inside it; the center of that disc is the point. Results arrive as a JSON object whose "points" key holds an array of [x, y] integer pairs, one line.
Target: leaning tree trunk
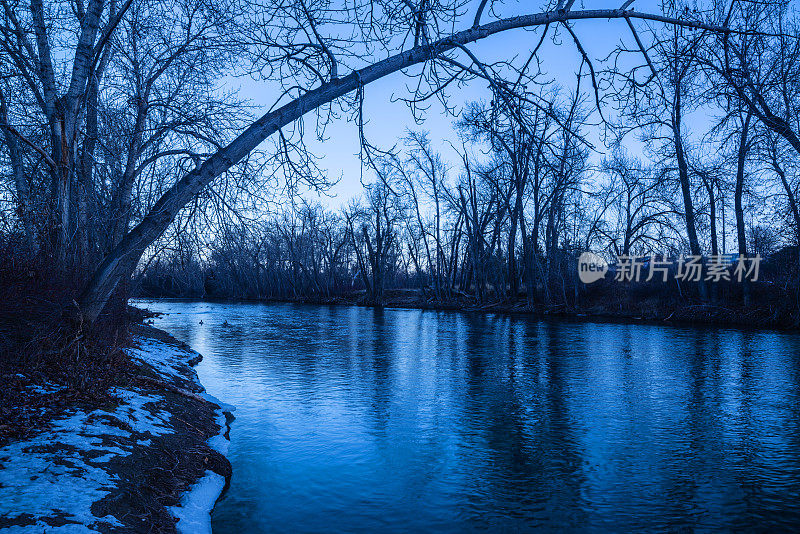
{"points": [[122, 260]]}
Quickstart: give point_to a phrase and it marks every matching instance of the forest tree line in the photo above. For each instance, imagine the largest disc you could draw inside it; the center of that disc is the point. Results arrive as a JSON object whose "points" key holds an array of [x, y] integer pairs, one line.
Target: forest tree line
{"points": [[508, 223], [121, 151]]}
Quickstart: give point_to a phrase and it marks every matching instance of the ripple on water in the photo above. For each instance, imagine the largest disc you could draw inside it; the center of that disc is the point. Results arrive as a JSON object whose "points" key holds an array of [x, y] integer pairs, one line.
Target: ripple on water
{"points": [[360, 420]]}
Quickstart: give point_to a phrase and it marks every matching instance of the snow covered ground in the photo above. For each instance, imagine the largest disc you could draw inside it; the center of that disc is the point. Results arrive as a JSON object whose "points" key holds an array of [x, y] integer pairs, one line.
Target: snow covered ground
{"points": [[54, 481]]}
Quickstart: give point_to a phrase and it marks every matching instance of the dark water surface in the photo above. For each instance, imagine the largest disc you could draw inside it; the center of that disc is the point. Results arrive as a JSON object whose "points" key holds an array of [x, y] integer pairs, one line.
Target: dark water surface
{"points": [[360, 420]]}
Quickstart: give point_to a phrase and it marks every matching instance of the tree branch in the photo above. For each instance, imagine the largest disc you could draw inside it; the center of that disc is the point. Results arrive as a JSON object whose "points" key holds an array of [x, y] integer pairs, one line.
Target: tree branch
{"points": [[122, 260]]}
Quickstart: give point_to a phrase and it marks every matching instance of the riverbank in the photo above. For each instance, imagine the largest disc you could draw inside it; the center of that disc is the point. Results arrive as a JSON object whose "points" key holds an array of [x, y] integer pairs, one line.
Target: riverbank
{"points": [[614, 307], [150, 457], [606, 305]]}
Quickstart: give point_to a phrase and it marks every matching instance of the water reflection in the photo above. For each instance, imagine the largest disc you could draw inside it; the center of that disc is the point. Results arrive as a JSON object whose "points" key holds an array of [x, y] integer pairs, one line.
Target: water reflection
{"points": [[358, 420]]}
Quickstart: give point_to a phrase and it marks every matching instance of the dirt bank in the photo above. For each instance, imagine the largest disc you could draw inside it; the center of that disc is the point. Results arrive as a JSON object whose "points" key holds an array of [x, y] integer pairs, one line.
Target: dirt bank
{"points": [[150, 458]]}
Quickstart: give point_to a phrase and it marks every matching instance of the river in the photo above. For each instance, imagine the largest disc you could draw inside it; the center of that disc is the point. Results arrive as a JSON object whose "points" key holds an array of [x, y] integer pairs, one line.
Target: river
{"points": [[362, 420]]}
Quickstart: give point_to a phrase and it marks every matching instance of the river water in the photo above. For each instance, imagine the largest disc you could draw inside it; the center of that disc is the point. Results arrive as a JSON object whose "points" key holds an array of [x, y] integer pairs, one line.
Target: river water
{"points": [[362, 420]]}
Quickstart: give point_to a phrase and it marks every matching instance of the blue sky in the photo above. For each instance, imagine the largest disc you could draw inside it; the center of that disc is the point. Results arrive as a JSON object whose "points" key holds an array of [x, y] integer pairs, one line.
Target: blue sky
{"points": [[389, 120]]}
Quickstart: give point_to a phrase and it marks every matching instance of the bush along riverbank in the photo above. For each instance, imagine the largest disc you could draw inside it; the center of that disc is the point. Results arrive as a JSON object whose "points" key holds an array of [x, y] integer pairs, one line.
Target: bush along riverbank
{"points": [[149, 456]]}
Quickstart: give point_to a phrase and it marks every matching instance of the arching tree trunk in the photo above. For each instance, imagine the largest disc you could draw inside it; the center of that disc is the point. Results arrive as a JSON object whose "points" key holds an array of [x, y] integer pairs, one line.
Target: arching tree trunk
{"points": [[122, 260]]}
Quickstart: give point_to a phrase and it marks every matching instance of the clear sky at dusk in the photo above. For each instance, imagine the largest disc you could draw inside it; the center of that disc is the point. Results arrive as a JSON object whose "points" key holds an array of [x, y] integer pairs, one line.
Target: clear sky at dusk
{"points": [[389, 119]]}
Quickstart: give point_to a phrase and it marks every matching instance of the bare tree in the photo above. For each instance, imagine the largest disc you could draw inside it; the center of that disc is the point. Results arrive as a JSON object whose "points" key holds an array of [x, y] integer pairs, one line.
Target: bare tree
{"points": [[294, 45], [631, 203], [659, 105]]}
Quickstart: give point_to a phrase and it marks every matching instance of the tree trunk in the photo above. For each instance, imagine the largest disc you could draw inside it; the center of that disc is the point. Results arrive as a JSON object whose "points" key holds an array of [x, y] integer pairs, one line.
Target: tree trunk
{"points": [[122, 260], [792, 202], [20, 182], [686, 190], [737, 201]]}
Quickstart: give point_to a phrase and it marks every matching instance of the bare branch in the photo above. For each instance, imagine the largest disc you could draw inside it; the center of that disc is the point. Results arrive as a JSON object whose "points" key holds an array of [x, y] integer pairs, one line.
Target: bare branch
{"points": [[39, 150], [478, 13]]}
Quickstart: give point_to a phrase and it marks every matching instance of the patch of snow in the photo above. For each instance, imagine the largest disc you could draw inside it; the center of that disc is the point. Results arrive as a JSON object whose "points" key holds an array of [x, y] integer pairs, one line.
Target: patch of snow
{"points": [[166, 359], [230, 408], [65, 469], [104, 458], [194, 512], [219, 442], [46, 389], [52, 474], [59, 471]]}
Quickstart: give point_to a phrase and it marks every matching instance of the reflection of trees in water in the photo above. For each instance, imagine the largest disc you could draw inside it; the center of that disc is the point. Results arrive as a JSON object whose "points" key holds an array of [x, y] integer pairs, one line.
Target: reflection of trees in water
{"points": [[502, 421], [382, 350], [515, 400]]}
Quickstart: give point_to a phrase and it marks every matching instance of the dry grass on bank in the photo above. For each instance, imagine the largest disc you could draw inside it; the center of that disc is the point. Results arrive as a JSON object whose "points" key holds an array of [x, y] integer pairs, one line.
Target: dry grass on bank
{"points": [[48, 360]]}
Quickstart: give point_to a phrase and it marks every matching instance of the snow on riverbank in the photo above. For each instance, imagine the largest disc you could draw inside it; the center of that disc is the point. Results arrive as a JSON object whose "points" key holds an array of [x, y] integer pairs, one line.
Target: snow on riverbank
{"points": [[76, 475]]}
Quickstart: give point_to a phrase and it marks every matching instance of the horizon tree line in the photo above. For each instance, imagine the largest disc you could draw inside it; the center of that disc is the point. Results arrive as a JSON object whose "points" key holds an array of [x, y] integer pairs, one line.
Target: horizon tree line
{"points": [[117, 141]]}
